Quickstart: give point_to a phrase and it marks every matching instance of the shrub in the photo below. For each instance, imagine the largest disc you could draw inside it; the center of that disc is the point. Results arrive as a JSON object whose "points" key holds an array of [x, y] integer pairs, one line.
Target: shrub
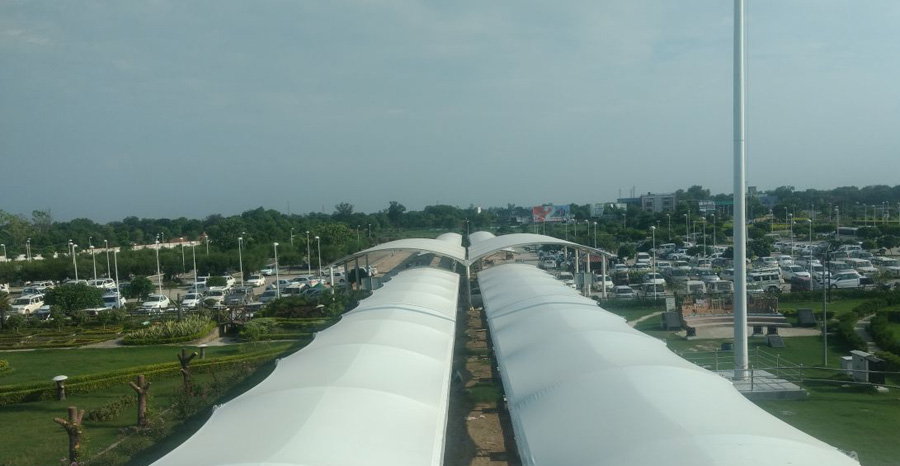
{"points": [[5, 367], [171, 331], [845, 332], [111, 410]]}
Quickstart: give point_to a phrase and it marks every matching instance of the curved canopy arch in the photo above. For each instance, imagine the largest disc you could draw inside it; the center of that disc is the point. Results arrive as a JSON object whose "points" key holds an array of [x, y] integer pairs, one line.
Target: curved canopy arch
{"points": [[490, 246], [441, 247]]}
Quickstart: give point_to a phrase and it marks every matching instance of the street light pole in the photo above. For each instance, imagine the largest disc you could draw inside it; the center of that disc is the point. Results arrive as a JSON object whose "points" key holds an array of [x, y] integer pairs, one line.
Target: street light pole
{"points": [[714, 230], [653, 258], [292, 237], [687, 227], [669, 219], [308, 258], [183, 262], [194, 257], [207, 243], [277, 285], [28, 249], [241, 258], [595, 235], [106, 247], [74, 262], [118, 290], [357, 237], [5, 259], [158, 273], [93, 257], [791, 225], [319, 247]]}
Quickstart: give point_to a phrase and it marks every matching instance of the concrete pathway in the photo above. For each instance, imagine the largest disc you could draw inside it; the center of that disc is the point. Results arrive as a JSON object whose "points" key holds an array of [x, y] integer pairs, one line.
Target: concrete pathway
{"points": [[643, 318], [862, 330]]}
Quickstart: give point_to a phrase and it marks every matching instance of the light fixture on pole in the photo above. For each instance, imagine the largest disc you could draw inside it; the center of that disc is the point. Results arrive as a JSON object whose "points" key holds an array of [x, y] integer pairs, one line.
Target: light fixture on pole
{"points": [[194, 257], [241, 258], [370, 231], [183, 262], [319, 247], [118, 292], [5, 259], [74, 261], [28, 249], [277, 285], [595, 235], [292, 237], [207, 243], [308, 258], [158, 273], [106, 247], [653, 257], [93, 257], [791, 225]]}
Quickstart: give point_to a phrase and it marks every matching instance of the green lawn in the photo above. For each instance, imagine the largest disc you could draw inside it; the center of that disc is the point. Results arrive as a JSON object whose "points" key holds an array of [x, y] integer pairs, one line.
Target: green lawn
{"points": [[838, 306], [29, 436], [43, 365], [849, 417]]}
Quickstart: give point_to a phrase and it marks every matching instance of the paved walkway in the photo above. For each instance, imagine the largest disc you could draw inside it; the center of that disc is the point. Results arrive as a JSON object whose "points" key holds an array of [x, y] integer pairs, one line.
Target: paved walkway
{"points": [[643, 318], [862, 326]]}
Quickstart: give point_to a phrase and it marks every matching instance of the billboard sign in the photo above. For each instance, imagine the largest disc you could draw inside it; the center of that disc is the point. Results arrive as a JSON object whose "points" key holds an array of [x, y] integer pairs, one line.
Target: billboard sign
{"points": [[550, 213], [596, 210]]}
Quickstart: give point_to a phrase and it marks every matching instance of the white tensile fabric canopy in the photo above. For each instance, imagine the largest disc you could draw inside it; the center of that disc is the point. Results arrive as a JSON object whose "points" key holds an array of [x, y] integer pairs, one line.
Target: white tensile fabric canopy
{"points": [[478, 236], [454, 238], [583, 388], [371, 390]]}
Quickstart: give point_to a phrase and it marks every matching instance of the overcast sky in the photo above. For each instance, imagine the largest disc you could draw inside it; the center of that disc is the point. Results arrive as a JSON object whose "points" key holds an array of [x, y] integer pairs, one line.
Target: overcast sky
{"points": [[189, 108]]}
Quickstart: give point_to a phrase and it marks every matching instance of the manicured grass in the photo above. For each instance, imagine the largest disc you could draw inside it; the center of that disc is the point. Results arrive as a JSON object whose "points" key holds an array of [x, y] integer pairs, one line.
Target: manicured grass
{"points": [[895, 327], [837, 306], [43, 365], [631, 313], [29, 436], [850, 418]]}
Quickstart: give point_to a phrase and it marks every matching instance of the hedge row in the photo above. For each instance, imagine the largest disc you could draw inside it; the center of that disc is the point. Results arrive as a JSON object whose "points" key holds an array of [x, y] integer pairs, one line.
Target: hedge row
{"points": [[164, 341], [287, 336], [846, 332], [883, 335], [891, 361], [37, 391]]}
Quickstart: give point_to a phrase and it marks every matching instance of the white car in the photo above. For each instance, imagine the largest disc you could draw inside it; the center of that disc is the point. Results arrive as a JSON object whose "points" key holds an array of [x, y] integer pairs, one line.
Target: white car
{"points": [[791, 271], [624, 292], [217, 295], [28, 304], [192, 300], [598, 282], [268, 271], [846, 280], [156, 301], [652, 279], [256, 280], [113, 301], [103, 283]]}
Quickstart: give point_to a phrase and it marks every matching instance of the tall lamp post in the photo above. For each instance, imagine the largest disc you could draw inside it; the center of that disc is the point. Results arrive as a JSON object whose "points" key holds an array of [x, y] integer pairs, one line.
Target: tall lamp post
{"points": [[93, 257], [158, 272], [714, 232], [194, 257], [687, 227], [28, 249], [277, 285], [653, 258], [791, 225], [669, 220], [5, 259], [207, 243], [118, 290], [308, 257], [292, 237], [74, 262], [319, 248], [595, 235], [241, 258], [183, 262], [357, 237], [106, 247]]}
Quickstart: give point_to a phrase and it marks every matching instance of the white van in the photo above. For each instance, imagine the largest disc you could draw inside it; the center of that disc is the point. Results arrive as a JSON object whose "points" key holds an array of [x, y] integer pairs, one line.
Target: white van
{"points": [[862, 266], [28, 304], [695, 287], [768, 280]]}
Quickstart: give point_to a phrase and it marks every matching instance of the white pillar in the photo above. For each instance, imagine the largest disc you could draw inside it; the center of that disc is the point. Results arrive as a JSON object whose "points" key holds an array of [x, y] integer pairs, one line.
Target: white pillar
{"points": [[741, 364]]}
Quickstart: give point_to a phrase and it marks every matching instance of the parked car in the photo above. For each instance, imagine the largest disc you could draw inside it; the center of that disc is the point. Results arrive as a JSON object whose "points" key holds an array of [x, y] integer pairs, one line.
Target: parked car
{"points": [[240, 296], [598, 282], [256, 280], [281, 283], [850, 279], [863, 266], [218, 296], [791, 271], [268, 295], [888, 265], [192, 301], [27, 304], [268, 271], [653, 279], [198, 288], [156, 301], [720, 287], [103, 283], [624, 292], [695, 287], [769, 281], [113, 301]]}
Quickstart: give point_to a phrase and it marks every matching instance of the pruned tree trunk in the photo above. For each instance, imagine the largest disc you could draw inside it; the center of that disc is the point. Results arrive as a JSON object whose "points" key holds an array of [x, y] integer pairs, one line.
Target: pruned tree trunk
{"points": [[185, 359], [73, 428], [141, 387]]}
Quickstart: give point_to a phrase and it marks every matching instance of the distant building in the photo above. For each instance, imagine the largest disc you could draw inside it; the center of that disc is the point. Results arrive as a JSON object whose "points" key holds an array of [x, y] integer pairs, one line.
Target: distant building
{"points": [[658, 202]]}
